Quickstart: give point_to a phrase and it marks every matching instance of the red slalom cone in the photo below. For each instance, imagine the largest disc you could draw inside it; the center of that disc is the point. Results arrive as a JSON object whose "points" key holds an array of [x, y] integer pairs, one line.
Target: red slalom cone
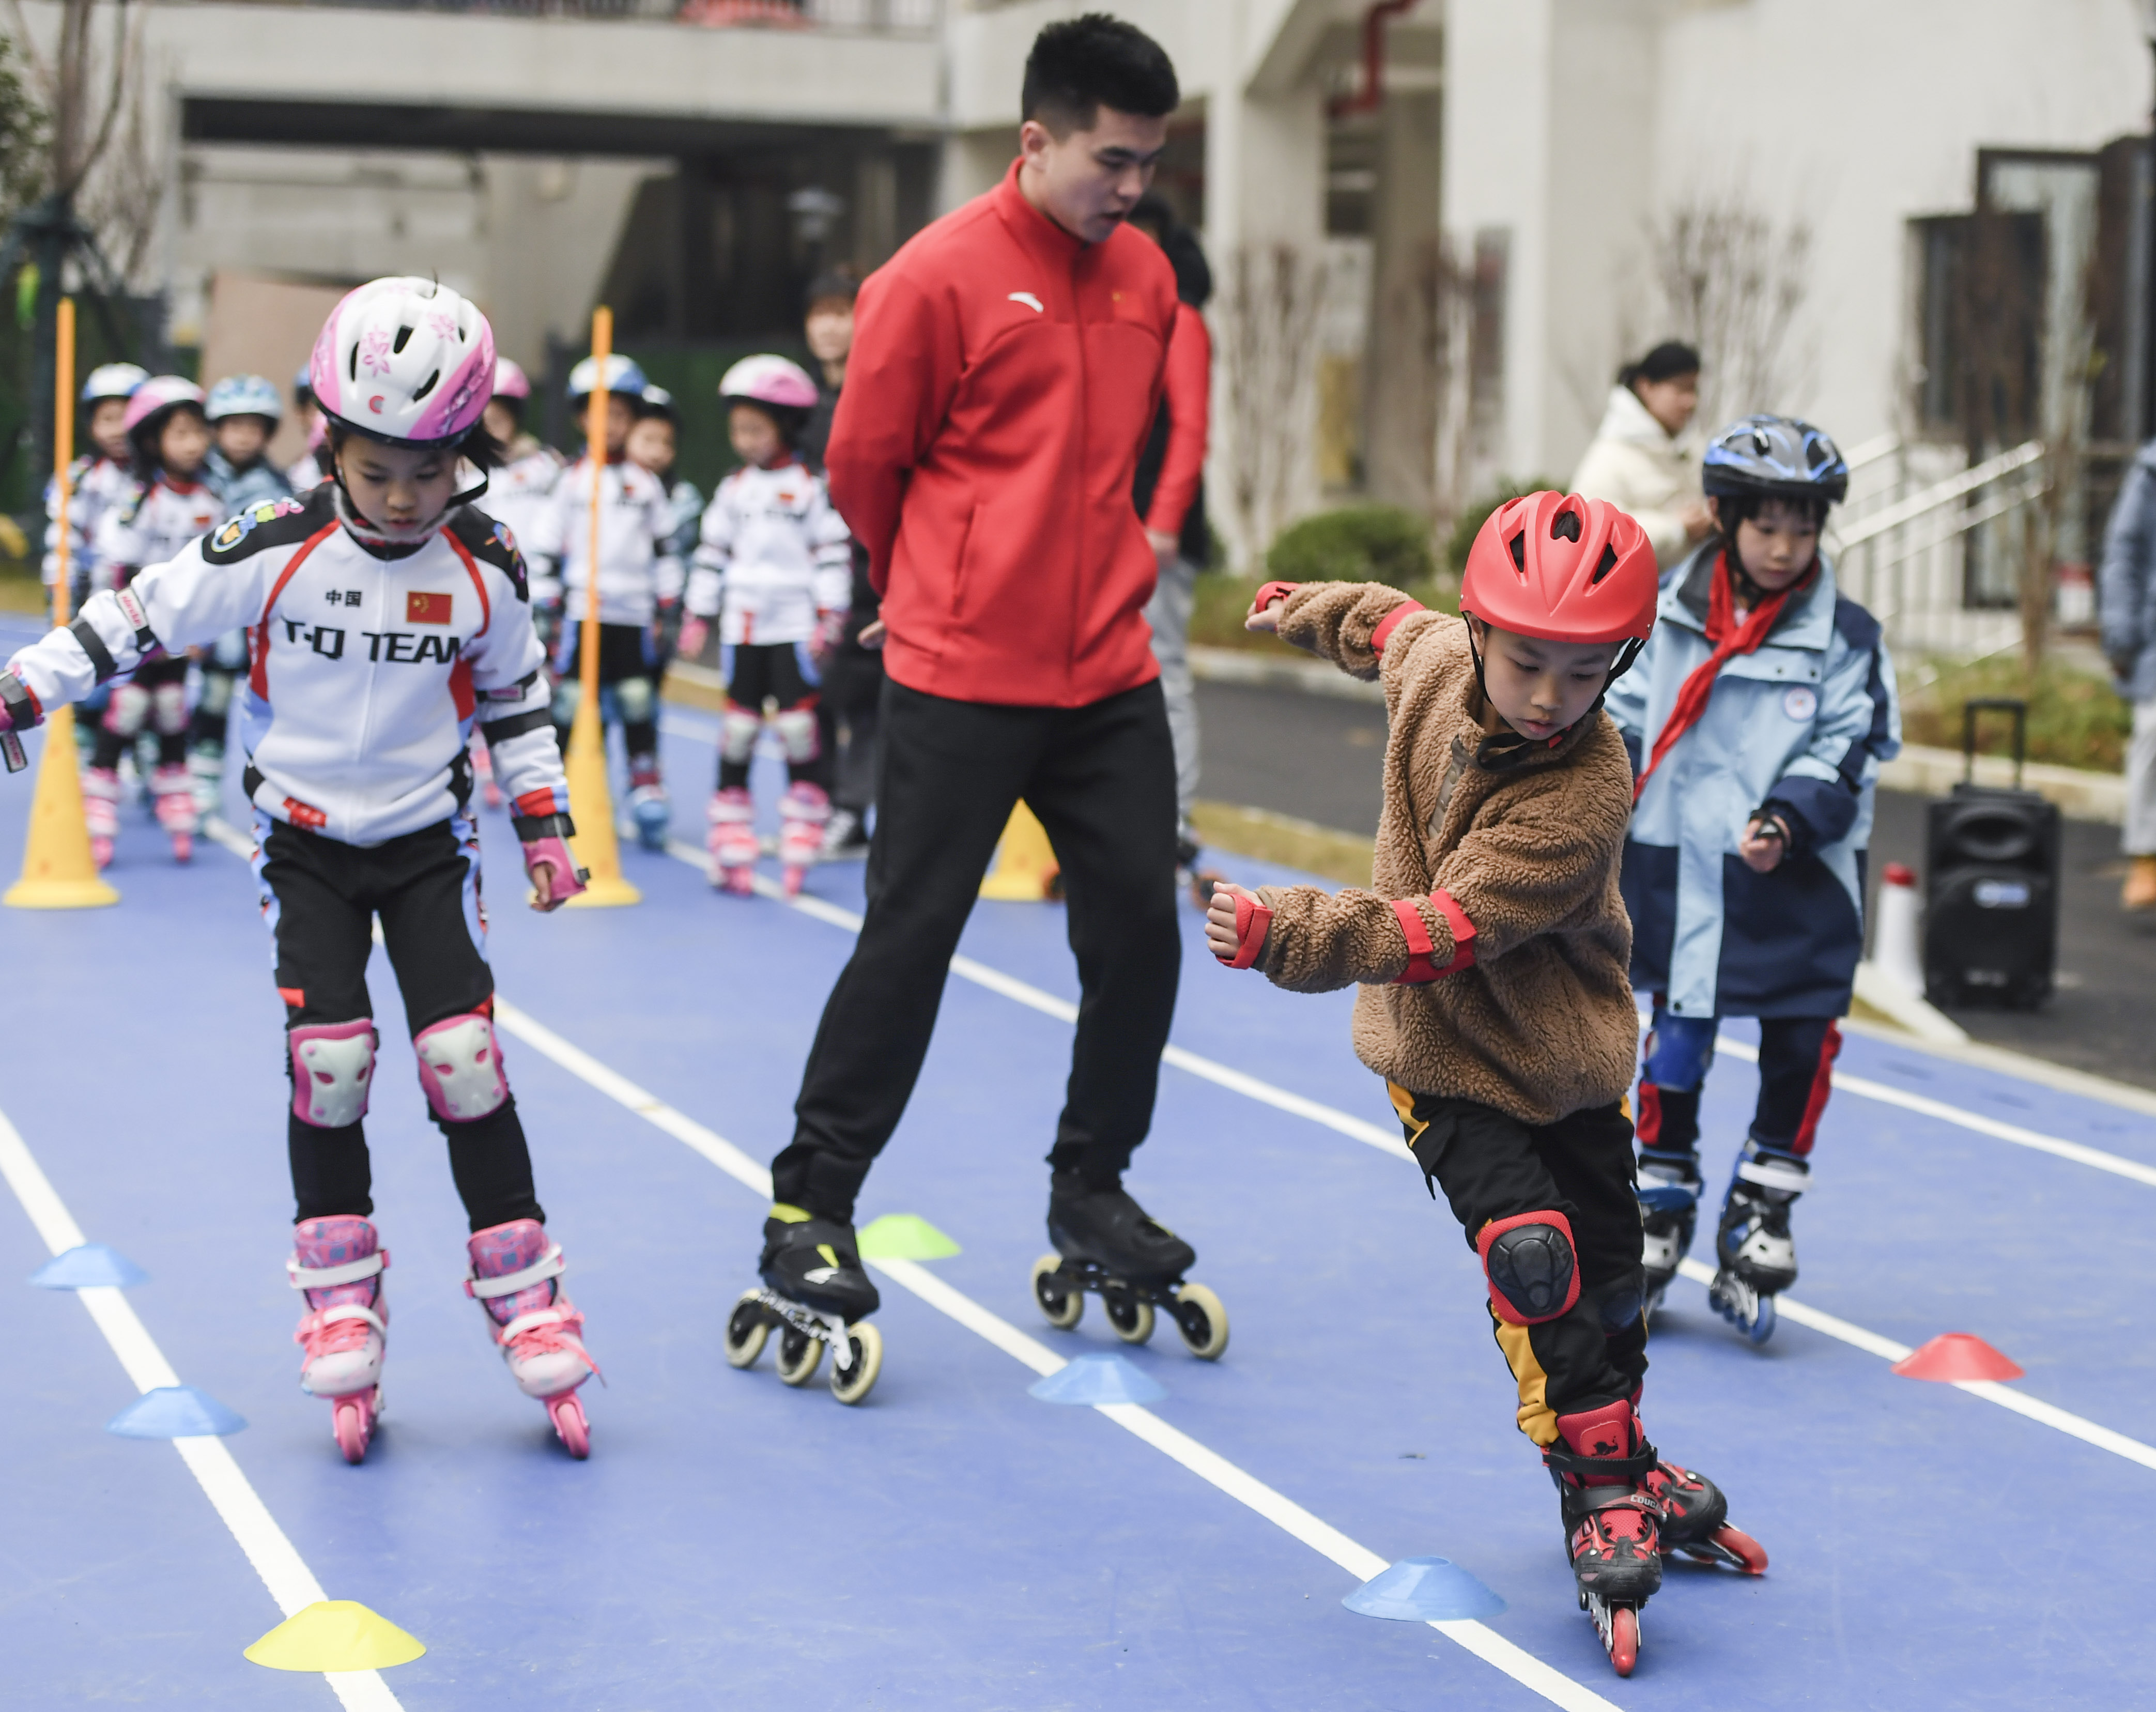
{"points": [[1956, 1355]]}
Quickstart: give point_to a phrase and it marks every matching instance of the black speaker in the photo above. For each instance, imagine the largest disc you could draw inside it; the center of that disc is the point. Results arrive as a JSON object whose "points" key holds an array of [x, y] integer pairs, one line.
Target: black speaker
{"points": [[1991, 884]]}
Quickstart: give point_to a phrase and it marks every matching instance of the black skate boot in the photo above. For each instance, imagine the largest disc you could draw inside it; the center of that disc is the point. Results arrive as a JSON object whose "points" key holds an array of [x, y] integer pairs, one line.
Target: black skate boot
{"points": [[1756, 1256], [1106, 1244], [1696, 1521], [1601, 1464], [1669, 1213], [815, 1292]]}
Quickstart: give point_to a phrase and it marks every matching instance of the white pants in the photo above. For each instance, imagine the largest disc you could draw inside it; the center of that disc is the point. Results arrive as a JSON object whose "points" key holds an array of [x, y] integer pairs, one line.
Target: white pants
{"points": [[2141, 782]]}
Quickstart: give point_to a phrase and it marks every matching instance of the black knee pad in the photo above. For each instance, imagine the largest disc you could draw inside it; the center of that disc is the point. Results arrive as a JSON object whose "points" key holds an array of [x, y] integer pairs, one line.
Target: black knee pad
{"points": [[1532, 1266]]}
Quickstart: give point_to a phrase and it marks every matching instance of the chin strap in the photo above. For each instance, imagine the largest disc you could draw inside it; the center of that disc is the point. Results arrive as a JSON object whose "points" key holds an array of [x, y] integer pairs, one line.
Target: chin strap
{"points": [[370, 533]]}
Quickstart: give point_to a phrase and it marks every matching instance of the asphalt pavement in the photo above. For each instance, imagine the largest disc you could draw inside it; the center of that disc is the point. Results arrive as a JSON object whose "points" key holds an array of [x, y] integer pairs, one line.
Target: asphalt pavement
{"points": [[1317, 758]]}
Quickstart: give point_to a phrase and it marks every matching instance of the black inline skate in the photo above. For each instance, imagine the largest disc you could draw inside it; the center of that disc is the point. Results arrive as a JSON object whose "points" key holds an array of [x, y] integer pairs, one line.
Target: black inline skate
{"points": [[1106, 1244], [1756, 1256], [1669, 1188], [815, 1292], [1603, 1464]]}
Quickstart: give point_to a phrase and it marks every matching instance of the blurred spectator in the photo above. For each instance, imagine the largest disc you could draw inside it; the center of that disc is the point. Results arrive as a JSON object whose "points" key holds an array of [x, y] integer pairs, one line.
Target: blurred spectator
{"points": [[1640, 460], [2128, 602]]}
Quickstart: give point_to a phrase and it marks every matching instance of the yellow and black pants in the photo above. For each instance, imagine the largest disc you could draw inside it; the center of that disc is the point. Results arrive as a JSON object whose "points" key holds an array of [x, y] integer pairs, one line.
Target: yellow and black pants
{"points": [[1551, 1209]]}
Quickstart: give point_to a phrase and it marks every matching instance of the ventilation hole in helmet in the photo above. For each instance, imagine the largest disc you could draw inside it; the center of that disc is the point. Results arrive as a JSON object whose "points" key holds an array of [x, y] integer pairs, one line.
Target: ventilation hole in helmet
{"points": [[351, 366], [426, 386], [1519, 546], [1819, 452], [403, 338], [1604, 565], [1565, 526]]}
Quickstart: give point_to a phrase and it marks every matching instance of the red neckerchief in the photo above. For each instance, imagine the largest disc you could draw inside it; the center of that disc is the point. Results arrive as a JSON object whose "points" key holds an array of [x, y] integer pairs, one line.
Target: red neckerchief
{"points": [[1730, 637]]}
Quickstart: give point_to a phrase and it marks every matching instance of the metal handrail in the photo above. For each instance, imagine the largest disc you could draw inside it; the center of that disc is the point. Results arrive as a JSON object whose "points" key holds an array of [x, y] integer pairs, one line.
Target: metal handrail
{"points": [[1871, 451], [1941, 493]]}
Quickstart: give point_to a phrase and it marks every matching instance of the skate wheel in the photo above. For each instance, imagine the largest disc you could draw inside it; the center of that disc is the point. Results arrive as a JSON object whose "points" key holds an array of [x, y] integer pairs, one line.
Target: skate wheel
{"points": [[1623, 1640], [792, 878], [184, 847], [570, 1426], [350, 1424], [1762, 1324], [798, 1353], [1202, 1322], [1061, 1308], [746, 1330], [864, 1344], [740, 881], [101, 852], [1740, 1544], [1130, 1314]]}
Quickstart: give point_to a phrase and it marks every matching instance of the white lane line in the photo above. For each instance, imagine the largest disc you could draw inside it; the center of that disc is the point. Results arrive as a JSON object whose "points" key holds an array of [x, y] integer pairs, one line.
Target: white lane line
{"points": [[291, 1584], [1485, 1643], [1990, 1390]]}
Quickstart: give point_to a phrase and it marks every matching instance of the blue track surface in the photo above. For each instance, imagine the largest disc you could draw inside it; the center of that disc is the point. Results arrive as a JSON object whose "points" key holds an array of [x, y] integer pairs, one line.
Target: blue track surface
{"points": [[954, 1544]]}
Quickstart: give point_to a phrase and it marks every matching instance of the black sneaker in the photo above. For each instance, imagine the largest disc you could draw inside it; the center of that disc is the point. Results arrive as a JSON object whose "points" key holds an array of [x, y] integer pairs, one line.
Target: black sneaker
{"points": [[814, 1262], [1109, 1229]]}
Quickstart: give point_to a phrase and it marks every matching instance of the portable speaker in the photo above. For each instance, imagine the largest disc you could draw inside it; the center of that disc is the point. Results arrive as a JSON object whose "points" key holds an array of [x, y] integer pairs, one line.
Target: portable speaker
{"points": [[1991, 901]]}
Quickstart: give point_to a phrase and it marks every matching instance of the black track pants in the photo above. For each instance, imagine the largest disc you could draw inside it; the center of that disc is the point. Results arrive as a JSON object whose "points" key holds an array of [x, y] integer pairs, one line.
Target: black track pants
{"points": [[1493, 1166], [1102, 778], [319, 898]]}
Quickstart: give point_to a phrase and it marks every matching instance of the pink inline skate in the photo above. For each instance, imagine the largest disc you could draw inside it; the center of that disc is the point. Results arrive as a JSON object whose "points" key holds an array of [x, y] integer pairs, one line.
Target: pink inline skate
{"points": [[174, 793], [803, 813], [100, 810], [337, 1265], [733, 840], [514, 1276]]}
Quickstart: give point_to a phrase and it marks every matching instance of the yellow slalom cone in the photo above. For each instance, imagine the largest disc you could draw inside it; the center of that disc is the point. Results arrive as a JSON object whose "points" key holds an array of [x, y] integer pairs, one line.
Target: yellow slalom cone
{"points": [[1026, 869], [591, 797], [335, 1634], [58, 872]]}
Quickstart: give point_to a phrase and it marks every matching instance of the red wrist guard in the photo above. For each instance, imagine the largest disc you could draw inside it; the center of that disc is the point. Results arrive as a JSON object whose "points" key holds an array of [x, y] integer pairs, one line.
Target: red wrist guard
{"points": [[1422, 952], [1253, 922], [1270, 593], [1390, 622]]}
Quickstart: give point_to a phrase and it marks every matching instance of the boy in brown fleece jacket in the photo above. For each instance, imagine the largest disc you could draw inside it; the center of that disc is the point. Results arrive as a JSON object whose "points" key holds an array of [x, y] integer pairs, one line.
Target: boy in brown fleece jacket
{"points": [[1492, 954]]}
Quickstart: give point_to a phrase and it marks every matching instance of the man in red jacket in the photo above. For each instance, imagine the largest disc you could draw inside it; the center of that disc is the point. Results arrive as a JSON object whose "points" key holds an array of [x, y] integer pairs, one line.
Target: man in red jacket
{"points": [[1006, 367]]}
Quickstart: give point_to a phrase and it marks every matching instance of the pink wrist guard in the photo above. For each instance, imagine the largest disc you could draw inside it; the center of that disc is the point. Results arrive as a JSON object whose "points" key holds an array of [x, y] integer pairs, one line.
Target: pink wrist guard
{"points": [[554, 851]]}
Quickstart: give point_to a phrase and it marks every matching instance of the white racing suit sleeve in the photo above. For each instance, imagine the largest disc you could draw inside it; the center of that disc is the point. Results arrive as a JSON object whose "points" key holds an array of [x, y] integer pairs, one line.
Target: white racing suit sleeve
{"points": [[832, 545], [182, 604], [714, 544], [667, 572], [510, 681]]}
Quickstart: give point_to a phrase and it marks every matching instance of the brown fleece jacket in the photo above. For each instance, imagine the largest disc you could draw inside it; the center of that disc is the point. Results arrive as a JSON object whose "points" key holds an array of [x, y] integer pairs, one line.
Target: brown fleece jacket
{"points": [[1541, 1023]]}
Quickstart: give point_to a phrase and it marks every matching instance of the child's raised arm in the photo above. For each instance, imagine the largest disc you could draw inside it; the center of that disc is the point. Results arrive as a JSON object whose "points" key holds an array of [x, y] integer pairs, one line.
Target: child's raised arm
{"points": [[1349, 624]]}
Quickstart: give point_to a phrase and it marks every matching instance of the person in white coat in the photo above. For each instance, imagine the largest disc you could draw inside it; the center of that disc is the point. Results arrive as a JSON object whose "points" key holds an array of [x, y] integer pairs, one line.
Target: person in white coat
{"points": [[1641, 459]]}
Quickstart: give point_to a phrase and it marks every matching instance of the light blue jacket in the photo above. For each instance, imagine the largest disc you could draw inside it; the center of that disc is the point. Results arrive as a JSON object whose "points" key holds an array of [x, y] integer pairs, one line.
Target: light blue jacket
{"points": [[1800, 727], [2127, 584]]}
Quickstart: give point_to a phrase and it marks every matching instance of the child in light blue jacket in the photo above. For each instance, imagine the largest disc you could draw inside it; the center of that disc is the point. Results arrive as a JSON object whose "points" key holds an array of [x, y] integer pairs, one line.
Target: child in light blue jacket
{"points": [[1758, 718]]}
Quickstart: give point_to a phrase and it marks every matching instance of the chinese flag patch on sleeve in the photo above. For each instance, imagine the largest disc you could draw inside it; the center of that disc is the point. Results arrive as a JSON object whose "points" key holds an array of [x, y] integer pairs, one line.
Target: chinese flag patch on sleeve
{"points": [[421, 607]]}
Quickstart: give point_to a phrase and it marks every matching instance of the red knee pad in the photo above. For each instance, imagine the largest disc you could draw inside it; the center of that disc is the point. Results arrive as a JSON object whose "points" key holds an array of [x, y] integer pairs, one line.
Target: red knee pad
{"points": [[1532, 1265]]}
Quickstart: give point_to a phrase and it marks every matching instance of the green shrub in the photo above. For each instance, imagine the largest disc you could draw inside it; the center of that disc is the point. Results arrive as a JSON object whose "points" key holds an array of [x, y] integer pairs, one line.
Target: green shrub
{"points": [[2075, 717], [1356, 544], [1476, 513]]}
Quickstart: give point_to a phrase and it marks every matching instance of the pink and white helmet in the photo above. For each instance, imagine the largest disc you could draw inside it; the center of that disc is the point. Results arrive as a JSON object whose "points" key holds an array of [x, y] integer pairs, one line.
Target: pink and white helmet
{"points": [[157, 395], [769, 380], [510, 382], [406, 360]]}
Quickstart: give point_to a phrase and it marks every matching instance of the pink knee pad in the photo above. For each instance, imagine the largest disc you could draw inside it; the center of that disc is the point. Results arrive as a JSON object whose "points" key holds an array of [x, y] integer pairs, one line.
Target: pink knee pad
{"points": [[332, 1071], [461, 1068]]}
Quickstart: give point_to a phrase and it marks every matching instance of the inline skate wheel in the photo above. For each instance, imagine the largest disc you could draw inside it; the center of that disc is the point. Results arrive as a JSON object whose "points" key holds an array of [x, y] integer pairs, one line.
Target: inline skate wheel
{"points": [[570, 1426], [798, 1353], [1743, 1547], [745, 1331], [1763, 1323], [1130, 1314], [864, 1344], [352, 1429], [1061, 1308], [1623, 1640], [1202, 1322]]}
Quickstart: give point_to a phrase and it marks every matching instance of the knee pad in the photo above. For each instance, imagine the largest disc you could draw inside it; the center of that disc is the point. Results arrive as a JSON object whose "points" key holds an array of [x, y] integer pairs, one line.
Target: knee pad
{"points": [[635, 699], [216, 694], [130, 706], [169, 704], [1679, 1053], [569, 692], [332, 1071], [797, 730], [1530, 1262], [461, 1068], [738, 731]]}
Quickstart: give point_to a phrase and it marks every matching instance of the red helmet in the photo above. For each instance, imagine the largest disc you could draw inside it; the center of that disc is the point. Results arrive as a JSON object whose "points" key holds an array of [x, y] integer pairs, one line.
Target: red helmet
{"points": [[1563, 568]]}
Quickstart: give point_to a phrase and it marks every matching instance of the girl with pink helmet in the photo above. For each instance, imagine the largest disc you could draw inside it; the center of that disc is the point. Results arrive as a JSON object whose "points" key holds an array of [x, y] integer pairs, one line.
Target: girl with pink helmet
{"points": [[382, 589], [774, 567]]}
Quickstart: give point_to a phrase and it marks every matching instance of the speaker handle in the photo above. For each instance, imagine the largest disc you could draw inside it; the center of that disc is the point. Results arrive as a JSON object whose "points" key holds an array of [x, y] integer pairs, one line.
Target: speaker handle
{"points": [[1992, 703]]}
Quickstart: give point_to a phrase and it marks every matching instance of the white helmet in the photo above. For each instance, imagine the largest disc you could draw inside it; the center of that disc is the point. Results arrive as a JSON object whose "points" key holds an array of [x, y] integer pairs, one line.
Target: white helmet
{"points": [[623, 375], [406, 360], [112, 379]]}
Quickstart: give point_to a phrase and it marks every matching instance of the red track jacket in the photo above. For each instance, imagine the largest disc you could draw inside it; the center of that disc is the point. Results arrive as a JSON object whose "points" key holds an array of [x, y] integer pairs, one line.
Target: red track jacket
{"points": [[1002, 379]]}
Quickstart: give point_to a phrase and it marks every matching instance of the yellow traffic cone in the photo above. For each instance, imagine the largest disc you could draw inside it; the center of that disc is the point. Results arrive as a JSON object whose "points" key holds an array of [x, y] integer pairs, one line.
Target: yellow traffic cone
{"points": [[1026, 869], [591, 806], [58, 872], [336, 1634]]}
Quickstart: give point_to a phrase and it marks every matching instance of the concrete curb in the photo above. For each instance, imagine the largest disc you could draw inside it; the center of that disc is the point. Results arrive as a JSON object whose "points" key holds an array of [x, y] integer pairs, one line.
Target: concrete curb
{"points": [[1909, 1010]]}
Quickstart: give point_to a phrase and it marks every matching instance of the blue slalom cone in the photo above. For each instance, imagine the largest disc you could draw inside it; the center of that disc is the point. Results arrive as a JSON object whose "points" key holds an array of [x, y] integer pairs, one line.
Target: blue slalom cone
{"points": [[174, 1412], [86, 1268], [1099, 1378], [1424, 1590]]}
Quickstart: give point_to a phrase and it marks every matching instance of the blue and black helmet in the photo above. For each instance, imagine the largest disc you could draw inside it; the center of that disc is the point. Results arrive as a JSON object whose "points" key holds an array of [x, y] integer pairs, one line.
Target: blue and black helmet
{"points": [[244, 395], [1775, 455]]}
